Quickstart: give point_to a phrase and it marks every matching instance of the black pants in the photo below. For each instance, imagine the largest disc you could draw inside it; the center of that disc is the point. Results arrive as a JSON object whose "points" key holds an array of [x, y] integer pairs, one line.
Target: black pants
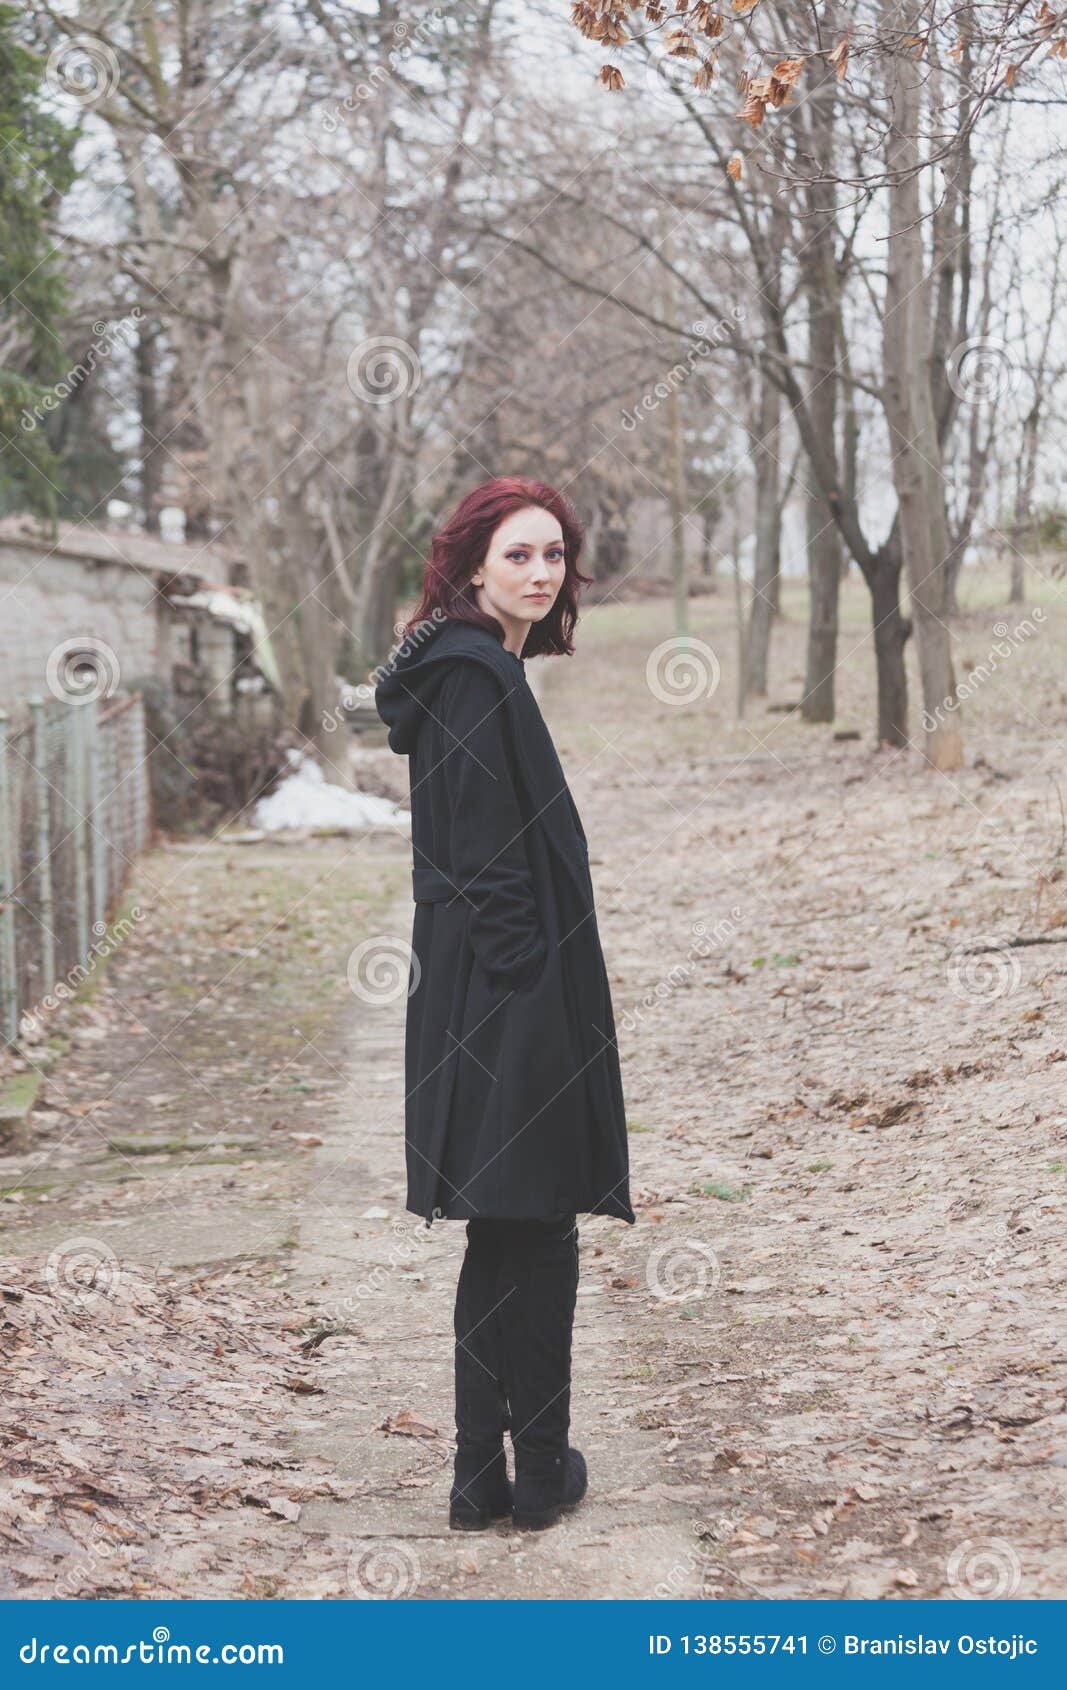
{"points": [[514, 1318]]}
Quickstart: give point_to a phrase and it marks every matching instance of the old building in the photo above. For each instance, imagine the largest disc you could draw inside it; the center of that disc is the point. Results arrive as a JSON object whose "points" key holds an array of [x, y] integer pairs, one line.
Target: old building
{"points": [[125, 606]]}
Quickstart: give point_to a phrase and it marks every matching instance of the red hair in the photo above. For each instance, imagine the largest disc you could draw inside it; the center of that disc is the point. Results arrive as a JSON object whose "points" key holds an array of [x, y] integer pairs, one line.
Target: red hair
{"points": [[460, 547]]}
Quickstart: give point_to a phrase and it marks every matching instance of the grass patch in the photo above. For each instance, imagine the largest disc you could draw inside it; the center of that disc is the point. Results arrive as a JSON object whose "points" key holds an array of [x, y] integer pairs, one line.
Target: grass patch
{"points": [[176, 1146], [18, 1096], [723, 1190]]}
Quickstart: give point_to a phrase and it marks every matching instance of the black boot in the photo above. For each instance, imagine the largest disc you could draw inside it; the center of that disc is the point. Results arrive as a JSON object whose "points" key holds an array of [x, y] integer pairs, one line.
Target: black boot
{"points": [[546, 1487], [540, 1269], [481, 1492]]}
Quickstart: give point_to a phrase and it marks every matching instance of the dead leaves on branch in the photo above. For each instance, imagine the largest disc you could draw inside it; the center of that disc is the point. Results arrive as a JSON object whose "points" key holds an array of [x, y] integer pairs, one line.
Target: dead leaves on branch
{"points": [[604, 21], [601, 20], [680, 45], [707, 20], [607, 22], [772, 90]]}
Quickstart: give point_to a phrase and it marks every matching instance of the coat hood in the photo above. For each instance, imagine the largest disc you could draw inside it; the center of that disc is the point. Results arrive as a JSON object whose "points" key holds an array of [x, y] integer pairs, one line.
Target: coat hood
{"points": [[408, 683]]}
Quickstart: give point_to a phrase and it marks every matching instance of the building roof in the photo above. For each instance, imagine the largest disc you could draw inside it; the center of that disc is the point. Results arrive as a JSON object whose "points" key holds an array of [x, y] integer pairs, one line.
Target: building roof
{"points": [[204, 561], [240, 609]]}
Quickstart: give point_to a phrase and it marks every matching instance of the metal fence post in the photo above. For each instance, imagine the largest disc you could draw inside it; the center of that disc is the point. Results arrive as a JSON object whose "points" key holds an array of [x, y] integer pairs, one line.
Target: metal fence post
{"points": [[97, 840], [88, 757], [76, 730], [9, 1004], [145, 815], [44, 845]]}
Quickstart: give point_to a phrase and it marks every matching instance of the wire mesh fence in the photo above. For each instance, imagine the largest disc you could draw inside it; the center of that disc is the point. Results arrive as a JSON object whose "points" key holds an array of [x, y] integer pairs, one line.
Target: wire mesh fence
{"points": [[75, 812]]}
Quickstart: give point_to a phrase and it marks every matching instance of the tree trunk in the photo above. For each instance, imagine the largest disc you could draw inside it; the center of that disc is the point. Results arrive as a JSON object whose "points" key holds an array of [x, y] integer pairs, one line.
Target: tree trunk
{"points": [[708, 522], [820, 282], [1024, 497], [611, 548], [153, 459], [764, 443], [677, 506], [913, 443], [891, 630]]}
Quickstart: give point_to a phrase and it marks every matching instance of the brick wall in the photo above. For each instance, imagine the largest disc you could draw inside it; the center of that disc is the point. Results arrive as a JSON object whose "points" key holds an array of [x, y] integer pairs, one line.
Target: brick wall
{"points": [[45, 600]]}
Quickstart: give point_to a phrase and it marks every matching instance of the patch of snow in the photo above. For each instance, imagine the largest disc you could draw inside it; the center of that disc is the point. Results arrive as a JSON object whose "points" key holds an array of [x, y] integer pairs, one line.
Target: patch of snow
{"points": [[305, 798]]}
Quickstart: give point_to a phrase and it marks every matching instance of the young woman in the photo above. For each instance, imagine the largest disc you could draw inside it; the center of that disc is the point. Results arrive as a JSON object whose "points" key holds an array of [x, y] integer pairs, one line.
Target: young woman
{"points": [[514, 1111]]}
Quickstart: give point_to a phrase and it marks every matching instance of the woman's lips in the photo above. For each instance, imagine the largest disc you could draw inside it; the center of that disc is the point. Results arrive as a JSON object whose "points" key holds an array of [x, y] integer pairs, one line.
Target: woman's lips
{"points": [[538, 595]]}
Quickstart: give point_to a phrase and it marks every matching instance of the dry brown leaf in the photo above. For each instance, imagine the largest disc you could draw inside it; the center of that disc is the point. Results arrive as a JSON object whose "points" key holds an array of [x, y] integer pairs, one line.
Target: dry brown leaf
{"points": [[787, 71], [707, 19], [598, 25], [409, 1425], [733, 169], [839, 58]]}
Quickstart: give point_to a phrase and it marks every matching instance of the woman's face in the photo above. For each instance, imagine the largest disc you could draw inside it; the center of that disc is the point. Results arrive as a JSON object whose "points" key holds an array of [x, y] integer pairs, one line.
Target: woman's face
{"points": [[523, 569]]}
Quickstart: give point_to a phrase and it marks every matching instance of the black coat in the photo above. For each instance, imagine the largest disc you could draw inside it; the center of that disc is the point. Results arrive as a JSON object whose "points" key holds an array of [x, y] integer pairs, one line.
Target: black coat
{"points": [[514, 1098]]}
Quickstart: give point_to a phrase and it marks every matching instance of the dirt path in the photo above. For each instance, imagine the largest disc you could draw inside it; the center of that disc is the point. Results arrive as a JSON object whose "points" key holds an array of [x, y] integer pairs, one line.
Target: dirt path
{"points": [[828, 1359], [386, 1416]]}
